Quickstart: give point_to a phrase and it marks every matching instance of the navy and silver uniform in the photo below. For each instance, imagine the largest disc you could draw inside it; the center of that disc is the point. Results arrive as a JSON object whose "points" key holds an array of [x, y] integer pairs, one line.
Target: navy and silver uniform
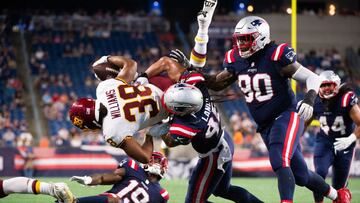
{"points": [[267, 92], [272, 104], [335, 122], [136, 187], [203, 130], [270, 99]]}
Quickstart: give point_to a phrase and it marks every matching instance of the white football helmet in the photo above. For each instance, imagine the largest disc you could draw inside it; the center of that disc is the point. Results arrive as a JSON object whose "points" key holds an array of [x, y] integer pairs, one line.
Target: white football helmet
{"points": [[158, 165], [330, 84], [251, 34], [182, 99]]}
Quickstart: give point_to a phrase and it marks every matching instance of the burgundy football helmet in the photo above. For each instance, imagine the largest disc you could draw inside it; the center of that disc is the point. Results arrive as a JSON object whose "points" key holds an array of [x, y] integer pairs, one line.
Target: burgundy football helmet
{"points": [[84, 114], [158, 164]]}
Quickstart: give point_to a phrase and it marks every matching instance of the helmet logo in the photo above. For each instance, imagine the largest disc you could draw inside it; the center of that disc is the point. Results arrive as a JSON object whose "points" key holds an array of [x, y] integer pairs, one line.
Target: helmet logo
{"points": [[78, 122], [256, 22]]}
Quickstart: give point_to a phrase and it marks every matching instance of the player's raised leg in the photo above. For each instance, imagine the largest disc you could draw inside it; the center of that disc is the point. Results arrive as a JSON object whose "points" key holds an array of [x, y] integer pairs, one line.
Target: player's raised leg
{"points": [[198, 54], [32, 186]]}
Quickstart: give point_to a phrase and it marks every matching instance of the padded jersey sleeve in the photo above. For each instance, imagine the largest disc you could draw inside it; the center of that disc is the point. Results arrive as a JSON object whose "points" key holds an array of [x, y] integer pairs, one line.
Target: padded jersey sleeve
{"points": [[181, 131], [348, 100], [229, 62], [284, 55]]}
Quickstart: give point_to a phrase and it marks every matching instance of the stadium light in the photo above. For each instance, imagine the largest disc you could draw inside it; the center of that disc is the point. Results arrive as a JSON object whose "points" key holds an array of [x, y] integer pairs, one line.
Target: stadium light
{"points": [[250, 8], [155, 7], [289, 11], [332, 9]]}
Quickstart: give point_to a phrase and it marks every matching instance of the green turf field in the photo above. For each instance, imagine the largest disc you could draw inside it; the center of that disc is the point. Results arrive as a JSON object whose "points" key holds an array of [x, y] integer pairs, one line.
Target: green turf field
{"points": [[264, 188]]}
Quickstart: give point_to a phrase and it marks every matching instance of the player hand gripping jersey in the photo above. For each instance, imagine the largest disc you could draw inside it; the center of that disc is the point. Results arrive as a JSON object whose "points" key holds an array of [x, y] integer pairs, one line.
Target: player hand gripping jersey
{"points": [[120, 110], [337, 110], [131, 182], [263, 70]]}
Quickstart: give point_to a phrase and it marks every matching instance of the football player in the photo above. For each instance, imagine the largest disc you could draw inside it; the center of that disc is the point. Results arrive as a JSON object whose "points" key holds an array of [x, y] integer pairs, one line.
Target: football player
{"points": [[121, 108], [196, 120], [131, 182], [263, 69], [25, 185], [337, 110]]}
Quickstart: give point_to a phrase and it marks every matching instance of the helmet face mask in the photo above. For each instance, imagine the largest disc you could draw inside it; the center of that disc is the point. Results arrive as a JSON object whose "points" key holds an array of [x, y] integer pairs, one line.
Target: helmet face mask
{"points": [[251, 34], [182, 99], [158, 164], [84, 114], [330, 84]]}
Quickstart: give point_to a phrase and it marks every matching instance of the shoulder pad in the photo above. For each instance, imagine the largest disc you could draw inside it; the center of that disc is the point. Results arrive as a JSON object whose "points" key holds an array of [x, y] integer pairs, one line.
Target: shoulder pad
{"points": [[230, 56], [132, 164], [348, 99], [277, 53], [193, 78], [165, 194]]}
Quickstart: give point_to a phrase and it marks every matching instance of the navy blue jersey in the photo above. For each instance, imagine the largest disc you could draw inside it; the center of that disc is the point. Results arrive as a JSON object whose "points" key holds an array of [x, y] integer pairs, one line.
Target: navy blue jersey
{"points": [[267, 93], [202, 129], [136, 187], [334, 115]]}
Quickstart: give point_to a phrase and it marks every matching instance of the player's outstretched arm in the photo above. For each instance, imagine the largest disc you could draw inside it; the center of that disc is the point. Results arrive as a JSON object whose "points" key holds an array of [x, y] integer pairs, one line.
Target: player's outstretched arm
{"points": [[100, 179], [166, 64], [129, 67], [345, 142], [301, 74], [141, 153], [219, 81]]}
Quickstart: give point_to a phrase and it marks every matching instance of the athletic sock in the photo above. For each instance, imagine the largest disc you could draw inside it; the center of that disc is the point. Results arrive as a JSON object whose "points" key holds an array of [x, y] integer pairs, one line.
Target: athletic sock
{"points": [[286, 184]]}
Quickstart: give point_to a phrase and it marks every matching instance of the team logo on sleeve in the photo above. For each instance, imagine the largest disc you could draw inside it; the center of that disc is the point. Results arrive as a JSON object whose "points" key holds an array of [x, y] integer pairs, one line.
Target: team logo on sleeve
{"points": [[290, 55]]}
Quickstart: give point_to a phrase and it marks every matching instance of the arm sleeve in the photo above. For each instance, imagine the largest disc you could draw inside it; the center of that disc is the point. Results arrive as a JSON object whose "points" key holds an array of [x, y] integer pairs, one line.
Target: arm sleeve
{"points": [[284, 55]]}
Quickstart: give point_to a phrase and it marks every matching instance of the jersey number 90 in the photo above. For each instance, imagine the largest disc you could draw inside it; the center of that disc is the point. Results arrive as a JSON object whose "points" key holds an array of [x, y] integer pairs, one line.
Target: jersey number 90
{"points": [[257, 87]]}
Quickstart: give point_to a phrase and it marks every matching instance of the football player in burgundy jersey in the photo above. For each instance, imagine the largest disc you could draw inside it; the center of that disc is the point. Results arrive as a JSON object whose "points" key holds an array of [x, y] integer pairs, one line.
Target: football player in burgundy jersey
{"points": [[131, 182], [337, 110], [263, 70]]}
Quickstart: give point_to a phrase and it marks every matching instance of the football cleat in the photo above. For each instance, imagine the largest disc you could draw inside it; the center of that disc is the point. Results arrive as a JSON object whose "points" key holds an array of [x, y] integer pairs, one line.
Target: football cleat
{"points": [[344, 196], [62, 193], [205, 15]]}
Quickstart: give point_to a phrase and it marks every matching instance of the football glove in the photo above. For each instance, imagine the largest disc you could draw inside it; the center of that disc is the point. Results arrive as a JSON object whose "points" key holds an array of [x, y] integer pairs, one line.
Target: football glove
{"points": [[103, 59], [180, 57], [344, 142], [83, 180], [305, 107], [159, 129]]}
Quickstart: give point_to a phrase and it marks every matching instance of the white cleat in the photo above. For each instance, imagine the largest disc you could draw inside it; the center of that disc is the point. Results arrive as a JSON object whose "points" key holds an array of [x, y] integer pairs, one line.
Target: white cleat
{"points": [[205, 15], [62, 193]]}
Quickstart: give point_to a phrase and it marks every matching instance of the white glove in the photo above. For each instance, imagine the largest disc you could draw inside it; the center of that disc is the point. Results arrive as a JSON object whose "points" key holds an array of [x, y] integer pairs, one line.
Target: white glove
{"points": [[103, 59], [83, 180], [305, 111], [159, 129], [344, 142]]}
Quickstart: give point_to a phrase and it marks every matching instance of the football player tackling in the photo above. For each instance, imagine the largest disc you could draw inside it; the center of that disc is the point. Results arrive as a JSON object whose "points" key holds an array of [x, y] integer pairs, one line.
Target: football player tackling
{"points": [[263, 70], [337, 110]]}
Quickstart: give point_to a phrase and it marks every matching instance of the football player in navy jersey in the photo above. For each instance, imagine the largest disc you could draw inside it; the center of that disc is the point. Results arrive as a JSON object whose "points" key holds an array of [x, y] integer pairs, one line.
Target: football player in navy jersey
{"points": [[337, 110], [263, 70], [196, 120], [131, 182]]}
